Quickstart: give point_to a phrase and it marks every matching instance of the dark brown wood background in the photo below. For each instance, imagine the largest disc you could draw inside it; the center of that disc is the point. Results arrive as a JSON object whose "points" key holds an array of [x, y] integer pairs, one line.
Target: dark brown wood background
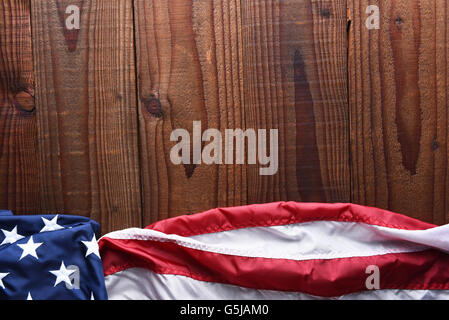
{"points": [[86, 115]]}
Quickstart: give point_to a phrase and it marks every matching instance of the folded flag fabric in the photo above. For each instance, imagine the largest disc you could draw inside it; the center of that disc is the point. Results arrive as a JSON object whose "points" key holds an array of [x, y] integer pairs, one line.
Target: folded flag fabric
{"points": [[49, 258], [282, 250]]}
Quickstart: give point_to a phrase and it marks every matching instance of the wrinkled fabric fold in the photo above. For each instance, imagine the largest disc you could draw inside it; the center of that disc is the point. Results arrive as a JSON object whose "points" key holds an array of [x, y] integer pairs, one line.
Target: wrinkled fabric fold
{"points": [[46, 258], [294, 249]]}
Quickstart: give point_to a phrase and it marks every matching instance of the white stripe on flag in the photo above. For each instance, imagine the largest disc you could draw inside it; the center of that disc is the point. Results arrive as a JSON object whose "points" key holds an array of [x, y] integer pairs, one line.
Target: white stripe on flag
{"points": [[143, 284], [304, 241]]}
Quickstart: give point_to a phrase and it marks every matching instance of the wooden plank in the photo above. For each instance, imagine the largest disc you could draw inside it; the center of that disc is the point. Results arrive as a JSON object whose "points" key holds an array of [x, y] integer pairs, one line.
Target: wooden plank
{"points": [[86, 110], [295, 80], [19, 178], [189, 69], [398, 101]]}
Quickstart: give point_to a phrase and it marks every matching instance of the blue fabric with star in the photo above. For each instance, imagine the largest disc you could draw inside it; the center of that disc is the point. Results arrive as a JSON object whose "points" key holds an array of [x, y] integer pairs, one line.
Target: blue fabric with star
{"points": [[50, 258]]}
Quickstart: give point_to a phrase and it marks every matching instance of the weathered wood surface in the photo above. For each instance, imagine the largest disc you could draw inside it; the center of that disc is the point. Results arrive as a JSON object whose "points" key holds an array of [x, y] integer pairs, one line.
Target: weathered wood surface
{"points": [[19, 178], [86, 114], [202, 70], [189, 69], [295, 81], [86, 111], [398, 105]]}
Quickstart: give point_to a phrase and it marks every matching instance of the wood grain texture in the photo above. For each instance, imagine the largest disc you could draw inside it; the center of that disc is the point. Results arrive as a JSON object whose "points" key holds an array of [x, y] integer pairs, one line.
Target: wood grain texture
{"points": [[398, 104], [189, 56], [86, 115], [19, 178], [295, 79], [86, 111]]}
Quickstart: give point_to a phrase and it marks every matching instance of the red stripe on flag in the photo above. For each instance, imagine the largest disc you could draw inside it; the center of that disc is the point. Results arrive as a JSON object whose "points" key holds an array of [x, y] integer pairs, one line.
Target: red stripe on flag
{"points": [[425, 270], [282, 213]]}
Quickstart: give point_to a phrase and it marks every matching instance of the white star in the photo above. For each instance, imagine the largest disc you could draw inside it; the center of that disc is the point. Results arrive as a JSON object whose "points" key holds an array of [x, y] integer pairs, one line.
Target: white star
{"points": [[29, 248], [2, 275], [92, 247], [62, 275], [11, 236], [29, 297], [51, 225]]}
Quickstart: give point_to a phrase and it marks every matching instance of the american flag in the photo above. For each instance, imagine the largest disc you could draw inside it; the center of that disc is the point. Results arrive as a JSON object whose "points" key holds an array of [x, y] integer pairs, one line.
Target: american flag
{"points": [[49, 257], [282, 250]]}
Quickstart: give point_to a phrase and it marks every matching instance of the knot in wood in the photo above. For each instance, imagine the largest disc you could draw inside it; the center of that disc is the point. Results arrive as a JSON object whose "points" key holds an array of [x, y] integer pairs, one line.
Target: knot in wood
{"points": [[153, 106], [326, 13], [24, 100]]}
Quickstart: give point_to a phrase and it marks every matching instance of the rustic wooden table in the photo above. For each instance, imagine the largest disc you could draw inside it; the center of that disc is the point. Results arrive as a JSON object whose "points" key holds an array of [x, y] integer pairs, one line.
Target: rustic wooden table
{"points": [[91, 90]]}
